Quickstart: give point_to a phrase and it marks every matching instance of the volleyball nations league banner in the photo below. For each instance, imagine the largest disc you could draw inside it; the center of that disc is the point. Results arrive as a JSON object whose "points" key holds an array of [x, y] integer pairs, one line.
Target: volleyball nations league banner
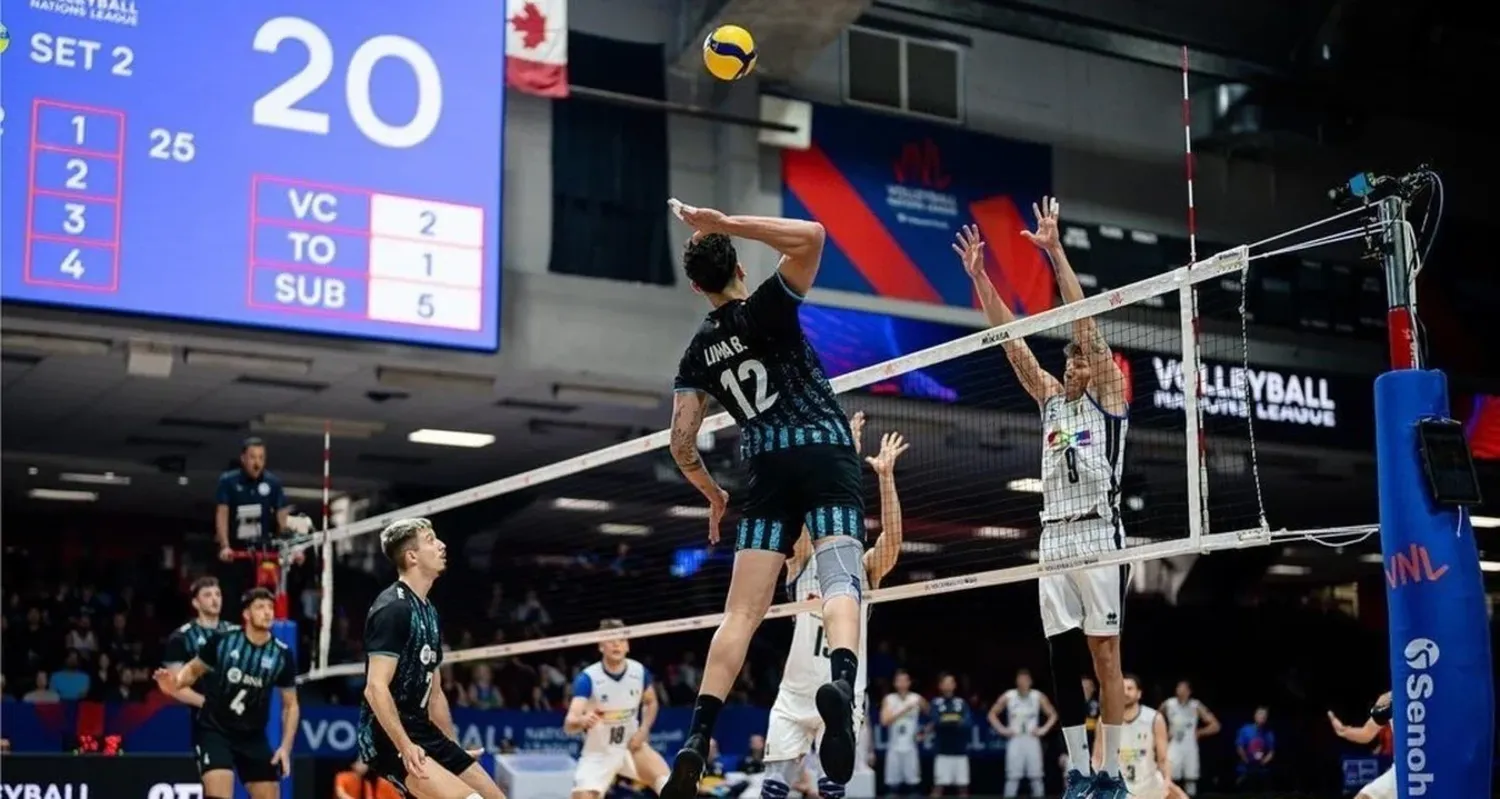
{"points": [[891, 193]]}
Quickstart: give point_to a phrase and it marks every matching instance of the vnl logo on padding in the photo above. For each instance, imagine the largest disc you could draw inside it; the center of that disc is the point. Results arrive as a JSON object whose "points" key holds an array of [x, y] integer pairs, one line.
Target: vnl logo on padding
{"points": [[1421, 654]]}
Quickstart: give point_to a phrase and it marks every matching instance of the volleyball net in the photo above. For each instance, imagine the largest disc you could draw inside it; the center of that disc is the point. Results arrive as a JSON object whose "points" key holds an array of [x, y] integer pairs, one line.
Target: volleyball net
{"points": [[617, 533]]}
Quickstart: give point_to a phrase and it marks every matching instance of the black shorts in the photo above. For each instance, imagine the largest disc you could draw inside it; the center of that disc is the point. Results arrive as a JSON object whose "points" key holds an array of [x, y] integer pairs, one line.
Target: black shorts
{"points": [[385, 760], [247, 754], [817, 486]]}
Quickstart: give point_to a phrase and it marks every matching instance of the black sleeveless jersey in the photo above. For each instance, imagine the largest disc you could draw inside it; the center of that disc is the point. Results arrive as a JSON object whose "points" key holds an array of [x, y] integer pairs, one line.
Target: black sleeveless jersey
{"points": [[752, 357], [242, 676]]}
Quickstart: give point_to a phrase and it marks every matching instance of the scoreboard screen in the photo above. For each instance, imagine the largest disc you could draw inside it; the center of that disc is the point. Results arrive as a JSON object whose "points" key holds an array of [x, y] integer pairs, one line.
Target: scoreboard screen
{"points": [[305, 165]]}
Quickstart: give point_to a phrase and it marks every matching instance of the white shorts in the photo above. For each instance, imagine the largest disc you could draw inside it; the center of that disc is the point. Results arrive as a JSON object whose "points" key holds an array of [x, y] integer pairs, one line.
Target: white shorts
{"points": [[795, 727], [950, 770], [1152, 787], [902, 767], [1023, 757], [1093, 599], [1383, 787], [1183, 755], [597, 771]]}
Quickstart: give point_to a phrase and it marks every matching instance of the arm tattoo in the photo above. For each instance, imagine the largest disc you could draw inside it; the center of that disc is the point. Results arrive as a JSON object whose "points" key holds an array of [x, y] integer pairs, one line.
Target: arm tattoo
{"points": [[685, 425]]}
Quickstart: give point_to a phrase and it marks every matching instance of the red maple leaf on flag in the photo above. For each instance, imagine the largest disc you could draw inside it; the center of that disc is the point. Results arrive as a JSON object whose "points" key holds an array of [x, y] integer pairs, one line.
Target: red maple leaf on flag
{"points": [[531, 23]]}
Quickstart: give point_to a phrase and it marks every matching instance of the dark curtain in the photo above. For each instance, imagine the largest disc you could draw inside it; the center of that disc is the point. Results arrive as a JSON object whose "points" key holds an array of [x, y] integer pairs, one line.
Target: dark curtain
{"points": [[609, 167]]}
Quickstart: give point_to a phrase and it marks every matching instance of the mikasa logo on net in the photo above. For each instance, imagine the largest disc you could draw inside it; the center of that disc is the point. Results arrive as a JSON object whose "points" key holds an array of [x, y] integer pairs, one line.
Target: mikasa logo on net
{"points": [[1276, 397]]}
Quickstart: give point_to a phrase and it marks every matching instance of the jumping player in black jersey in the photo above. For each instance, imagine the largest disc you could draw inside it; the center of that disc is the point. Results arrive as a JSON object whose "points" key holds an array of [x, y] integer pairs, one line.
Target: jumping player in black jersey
{"points": [[239, 668], [184, 642], [750, 355], [406, 730]]}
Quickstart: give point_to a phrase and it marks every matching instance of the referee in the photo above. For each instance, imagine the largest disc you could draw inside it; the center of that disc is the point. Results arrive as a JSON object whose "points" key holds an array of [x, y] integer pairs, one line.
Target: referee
{"points": [[252, 511]]}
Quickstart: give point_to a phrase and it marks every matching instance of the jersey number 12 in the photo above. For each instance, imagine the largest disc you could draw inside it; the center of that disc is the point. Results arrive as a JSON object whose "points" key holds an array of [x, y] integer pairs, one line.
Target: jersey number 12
{"points": [[753, 372]]}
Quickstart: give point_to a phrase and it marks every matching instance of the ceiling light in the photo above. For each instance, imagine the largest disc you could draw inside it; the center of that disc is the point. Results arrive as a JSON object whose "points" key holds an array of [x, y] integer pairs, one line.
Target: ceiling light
{"points": [[88, 478], [688, 511], [1028, 485], [63, 495], [1487, 522], [1489, 565], [1288, 570], [182, 481], [1372, 557], [1008, 533], [921, 547], [450, 438], [611, 528], [569, 503], [292, 424]]}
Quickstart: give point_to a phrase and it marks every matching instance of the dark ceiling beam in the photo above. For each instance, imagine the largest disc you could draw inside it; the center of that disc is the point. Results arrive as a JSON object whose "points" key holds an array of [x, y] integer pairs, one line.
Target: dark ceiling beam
{"points": [[1077, 34]]}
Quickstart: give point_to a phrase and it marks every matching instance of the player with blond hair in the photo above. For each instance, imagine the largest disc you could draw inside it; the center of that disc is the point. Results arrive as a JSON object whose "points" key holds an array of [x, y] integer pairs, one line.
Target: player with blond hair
{"points": [[614, 706]]}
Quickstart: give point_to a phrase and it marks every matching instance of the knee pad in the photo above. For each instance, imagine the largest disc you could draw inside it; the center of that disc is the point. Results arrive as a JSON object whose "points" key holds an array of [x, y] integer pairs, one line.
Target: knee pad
{"points": [[828, 789], [1071, 661], [841, 567], [780, 775]]}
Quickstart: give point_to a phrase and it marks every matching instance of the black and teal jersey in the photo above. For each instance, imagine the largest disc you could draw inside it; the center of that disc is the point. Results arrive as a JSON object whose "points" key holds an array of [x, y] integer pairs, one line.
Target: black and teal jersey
{"points": [[242, 675], [752, 356], [404, 626], [185, 641]]}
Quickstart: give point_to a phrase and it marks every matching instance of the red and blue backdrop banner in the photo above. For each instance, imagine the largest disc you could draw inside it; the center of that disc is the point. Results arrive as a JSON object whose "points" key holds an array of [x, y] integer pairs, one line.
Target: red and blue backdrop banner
{"points": [[891, 193]]}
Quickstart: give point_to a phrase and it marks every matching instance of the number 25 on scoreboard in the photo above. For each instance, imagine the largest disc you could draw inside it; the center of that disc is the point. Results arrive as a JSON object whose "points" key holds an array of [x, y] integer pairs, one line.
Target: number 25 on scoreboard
{"points": [[277, 108]]}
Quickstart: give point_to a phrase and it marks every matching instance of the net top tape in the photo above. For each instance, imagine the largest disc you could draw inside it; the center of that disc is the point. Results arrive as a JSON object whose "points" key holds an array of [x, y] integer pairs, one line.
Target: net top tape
{"points": [[1218, 265]]}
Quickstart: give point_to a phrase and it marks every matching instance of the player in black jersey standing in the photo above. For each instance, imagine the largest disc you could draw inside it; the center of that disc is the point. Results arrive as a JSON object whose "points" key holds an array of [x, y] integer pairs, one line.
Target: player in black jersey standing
{"points": [[406, 730], [184, 642], [239, 668], [750, 355]]}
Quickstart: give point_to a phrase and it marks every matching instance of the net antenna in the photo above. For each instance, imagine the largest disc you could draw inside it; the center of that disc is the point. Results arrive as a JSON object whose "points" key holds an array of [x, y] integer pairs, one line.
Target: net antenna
{"points": [[325, 595]]}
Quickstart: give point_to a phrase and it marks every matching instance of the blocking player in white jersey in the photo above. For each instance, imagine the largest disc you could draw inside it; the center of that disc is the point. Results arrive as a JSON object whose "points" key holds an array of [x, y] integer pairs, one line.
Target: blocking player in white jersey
{"points": [[614, 705], [1384, 786], [1143, 748], [1084, 420], [900, 713], [1024, 709], [1188, 720], [795, 725]]}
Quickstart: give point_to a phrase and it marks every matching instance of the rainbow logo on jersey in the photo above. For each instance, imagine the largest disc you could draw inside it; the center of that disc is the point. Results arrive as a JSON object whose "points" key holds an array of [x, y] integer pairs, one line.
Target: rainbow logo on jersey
{"points": [[1062, 439]]}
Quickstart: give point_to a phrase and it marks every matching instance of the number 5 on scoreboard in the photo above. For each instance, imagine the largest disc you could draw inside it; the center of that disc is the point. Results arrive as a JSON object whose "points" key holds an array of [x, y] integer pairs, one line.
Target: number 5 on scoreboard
{"points": [[72, 264]]}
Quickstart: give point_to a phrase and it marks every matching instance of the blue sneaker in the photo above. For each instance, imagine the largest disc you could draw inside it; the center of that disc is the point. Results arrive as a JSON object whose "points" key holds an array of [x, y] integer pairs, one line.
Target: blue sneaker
{"points": [[1077, 785], [1109, 786]]}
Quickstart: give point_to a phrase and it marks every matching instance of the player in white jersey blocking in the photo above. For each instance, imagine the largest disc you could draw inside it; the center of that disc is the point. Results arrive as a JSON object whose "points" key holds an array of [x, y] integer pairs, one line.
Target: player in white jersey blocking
{"points": [[614, 706], [1188, 720], [1143, 748], [1024, 709], [795, 726], [900, 713], [1084, 420], [1384, 786]]}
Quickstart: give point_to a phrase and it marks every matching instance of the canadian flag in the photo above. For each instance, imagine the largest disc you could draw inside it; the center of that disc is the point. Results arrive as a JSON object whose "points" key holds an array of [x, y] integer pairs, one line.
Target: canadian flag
{"points": [[536, 46]]}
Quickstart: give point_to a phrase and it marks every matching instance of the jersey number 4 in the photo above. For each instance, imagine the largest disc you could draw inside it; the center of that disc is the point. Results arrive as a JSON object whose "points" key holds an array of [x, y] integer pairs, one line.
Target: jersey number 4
{"points": [[237, 704], [751, 372]]}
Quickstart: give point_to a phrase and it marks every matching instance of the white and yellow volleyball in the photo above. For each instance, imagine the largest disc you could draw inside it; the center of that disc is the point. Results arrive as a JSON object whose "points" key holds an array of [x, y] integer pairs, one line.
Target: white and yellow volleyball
{"points": [[729, 52]]}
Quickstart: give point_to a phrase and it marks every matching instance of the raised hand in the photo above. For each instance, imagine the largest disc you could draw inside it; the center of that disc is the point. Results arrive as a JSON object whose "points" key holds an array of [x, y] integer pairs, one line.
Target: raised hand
{"points": [[857, 428], [891, 446], [970, 248], [703, 220], [1045, 235]]}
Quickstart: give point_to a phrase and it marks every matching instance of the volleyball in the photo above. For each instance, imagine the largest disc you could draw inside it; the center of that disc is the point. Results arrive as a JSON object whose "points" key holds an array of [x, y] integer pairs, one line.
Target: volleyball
{"points": [[729, 52], [4, 39]]}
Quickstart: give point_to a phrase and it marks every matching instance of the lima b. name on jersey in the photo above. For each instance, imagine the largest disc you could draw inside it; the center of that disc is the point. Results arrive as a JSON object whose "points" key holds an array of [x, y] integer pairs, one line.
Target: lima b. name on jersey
{"points": [[1082, 457], [617, 697], [752, 357], [1138, 749], [242, 675], [807, 664], [1023, 712], [1182, 720]]}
